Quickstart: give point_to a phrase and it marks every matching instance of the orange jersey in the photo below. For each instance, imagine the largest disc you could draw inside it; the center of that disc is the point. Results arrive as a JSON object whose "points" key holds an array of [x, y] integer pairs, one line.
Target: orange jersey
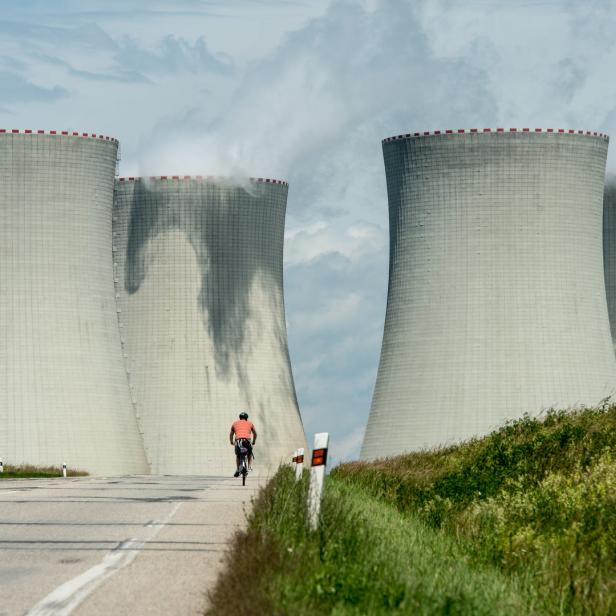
{"points": [[242, 428]]}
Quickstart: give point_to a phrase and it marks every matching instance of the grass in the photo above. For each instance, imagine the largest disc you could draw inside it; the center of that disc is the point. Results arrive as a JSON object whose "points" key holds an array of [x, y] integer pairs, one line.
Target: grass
{"points": [[536, 499], [366, 558], [28, 471]]}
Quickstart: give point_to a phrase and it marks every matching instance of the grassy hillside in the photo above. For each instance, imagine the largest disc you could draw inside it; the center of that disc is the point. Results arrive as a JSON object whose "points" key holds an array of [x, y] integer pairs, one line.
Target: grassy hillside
{"points": [[29, 471], [367, 558], [535, 498], [522, 521]]}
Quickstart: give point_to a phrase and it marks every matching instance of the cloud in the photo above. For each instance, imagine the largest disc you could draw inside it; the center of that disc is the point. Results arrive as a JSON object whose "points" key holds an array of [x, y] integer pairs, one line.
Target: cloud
{"points": [[320, 237], [15, 89], [320, 87], [335, 309], [86, 52], [347, 445], [37, 36], [117, 76], [171, 55]]}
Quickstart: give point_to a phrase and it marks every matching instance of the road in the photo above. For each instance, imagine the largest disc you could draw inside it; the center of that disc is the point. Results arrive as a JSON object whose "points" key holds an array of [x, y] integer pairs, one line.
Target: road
{"points": [[127, 545]]}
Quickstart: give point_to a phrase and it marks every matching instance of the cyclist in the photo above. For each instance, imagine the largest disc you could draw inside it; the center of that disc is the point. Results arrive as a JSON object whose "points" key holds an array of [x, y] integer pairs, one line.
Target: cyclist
{"points": [[241, 430]]}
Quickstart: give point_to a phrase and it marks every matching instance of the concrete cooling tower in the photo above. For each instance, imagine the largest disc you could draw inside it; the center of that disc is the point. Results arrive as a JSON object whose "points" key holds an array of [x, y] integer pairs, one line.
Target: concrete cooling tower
{"points": [[200, 291], [496, 304], [64, 395], [609, 250]]}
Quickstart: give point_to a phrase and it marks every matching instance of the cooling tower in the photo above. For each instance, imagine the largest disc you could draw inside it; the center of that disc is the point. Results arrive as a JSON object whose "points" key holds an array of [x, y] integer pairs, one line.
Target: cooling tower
{"points": [[199, 284], [496, 303], [64, 394], [609, 250]]}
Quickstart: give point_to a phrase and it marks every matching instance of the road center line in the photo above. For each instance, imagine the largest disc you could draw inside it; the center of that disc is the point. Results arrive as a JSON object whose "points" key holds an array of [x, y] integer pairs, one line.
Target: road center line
{"points": [[65, 598]]}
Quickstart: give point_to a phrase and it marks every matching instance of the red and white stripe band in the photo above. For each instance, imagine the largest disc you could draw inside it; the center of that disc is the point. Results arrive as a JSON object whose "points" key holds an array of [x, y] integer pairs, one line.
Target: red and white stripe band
{"points": [[58, 133], [466, 131], [206, 178]]}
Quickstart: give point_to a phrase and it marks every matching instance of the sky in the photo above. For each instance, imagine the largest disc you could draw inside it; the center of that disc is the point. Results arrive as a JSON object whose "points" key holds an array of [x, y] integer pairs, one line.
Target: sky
{"points": [[305, 91]]}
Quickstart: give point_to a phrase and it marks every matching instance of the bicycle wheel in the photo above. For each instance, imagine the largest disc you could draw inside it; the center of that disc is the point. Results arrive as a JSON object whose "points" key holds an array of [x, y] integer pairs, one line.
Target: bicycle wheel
{"points": [[244, 470]]}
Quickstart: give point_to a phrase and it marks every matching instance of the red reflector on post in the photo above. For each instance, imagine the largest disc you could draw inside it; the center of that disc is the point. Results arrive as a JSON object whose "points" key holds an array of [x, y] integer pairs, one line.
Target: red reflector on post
{"points": [[300, 459], [319, 457]]}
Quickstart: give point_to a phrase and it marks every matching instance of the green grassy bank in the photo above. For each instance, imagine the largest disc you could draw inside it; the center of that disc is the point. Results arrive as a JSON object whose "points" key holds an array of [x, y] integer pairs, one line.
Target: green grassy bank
{"points": [[28, 471], [536, 498], [367, 558], [522, 521]]}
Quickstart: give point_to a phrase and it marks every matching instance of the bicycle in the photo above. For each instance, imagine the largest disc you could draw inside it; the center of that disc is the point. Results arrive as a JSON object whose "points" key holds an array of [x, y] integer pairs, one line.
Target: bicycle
{"points": [[243, 452]]}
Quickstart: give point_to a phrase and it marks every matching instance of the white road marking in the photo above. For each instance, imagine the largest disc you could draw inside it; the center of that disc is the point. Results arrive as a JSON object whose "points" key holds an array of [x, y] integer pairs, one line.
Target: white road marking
{"points": [[9, 492], [64, 599]]}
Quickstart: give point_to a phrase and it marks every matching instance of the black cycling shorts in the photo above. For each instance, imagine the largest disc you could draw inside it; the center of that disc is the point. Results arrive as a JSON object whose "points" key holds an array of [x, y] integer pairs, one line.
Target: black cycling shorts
{"points": [[243, 443]]}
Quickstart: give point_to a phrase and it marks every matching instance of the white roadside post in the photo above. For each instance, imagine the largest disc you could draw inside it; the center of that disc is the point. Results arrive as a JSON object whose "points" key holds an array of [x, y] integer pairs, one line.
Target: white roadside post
{"points": [[317, 477], [1, 466], [299, 463], [294, 460], [64, 469]]}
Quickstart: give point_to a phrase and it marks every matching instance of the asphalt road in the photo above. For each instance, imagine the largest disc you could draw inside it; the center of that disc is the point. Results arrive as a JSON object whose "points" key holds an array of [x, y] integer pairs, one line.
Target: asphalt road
{"points": [[124, 545]]}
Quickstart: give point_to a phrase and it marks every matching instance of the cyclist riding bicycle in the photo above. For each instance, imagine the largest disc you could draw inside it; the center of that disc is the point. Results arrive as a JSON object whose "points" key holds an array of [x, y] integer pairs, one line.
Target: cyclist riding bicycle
{"points": [[241, 431]]}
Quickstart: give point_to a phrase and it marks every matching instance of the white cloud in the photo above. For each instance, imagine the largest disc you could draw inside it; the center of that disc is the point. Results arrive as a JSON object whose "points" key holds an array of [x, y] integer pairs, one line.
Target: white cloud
{"points": [[345, 447], [318, 238], [337, 311], [349, 72]]}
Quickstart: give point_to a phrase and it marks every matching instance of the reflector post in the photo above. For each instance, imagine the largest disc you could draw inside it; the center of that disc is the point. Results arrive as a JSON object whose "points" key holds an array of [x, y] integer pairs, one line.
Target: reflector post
{"points": [[299, 466], [317, 478]]}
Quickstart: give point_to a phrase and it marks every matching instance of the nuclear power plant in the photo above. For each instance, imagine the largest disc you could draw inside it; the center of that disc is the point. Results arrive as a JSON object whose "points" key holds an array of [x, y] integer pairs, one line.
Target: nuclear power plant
{"points": [[496, 304], [133, 349], [198, 271], [63, 388], [139, 316]]}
